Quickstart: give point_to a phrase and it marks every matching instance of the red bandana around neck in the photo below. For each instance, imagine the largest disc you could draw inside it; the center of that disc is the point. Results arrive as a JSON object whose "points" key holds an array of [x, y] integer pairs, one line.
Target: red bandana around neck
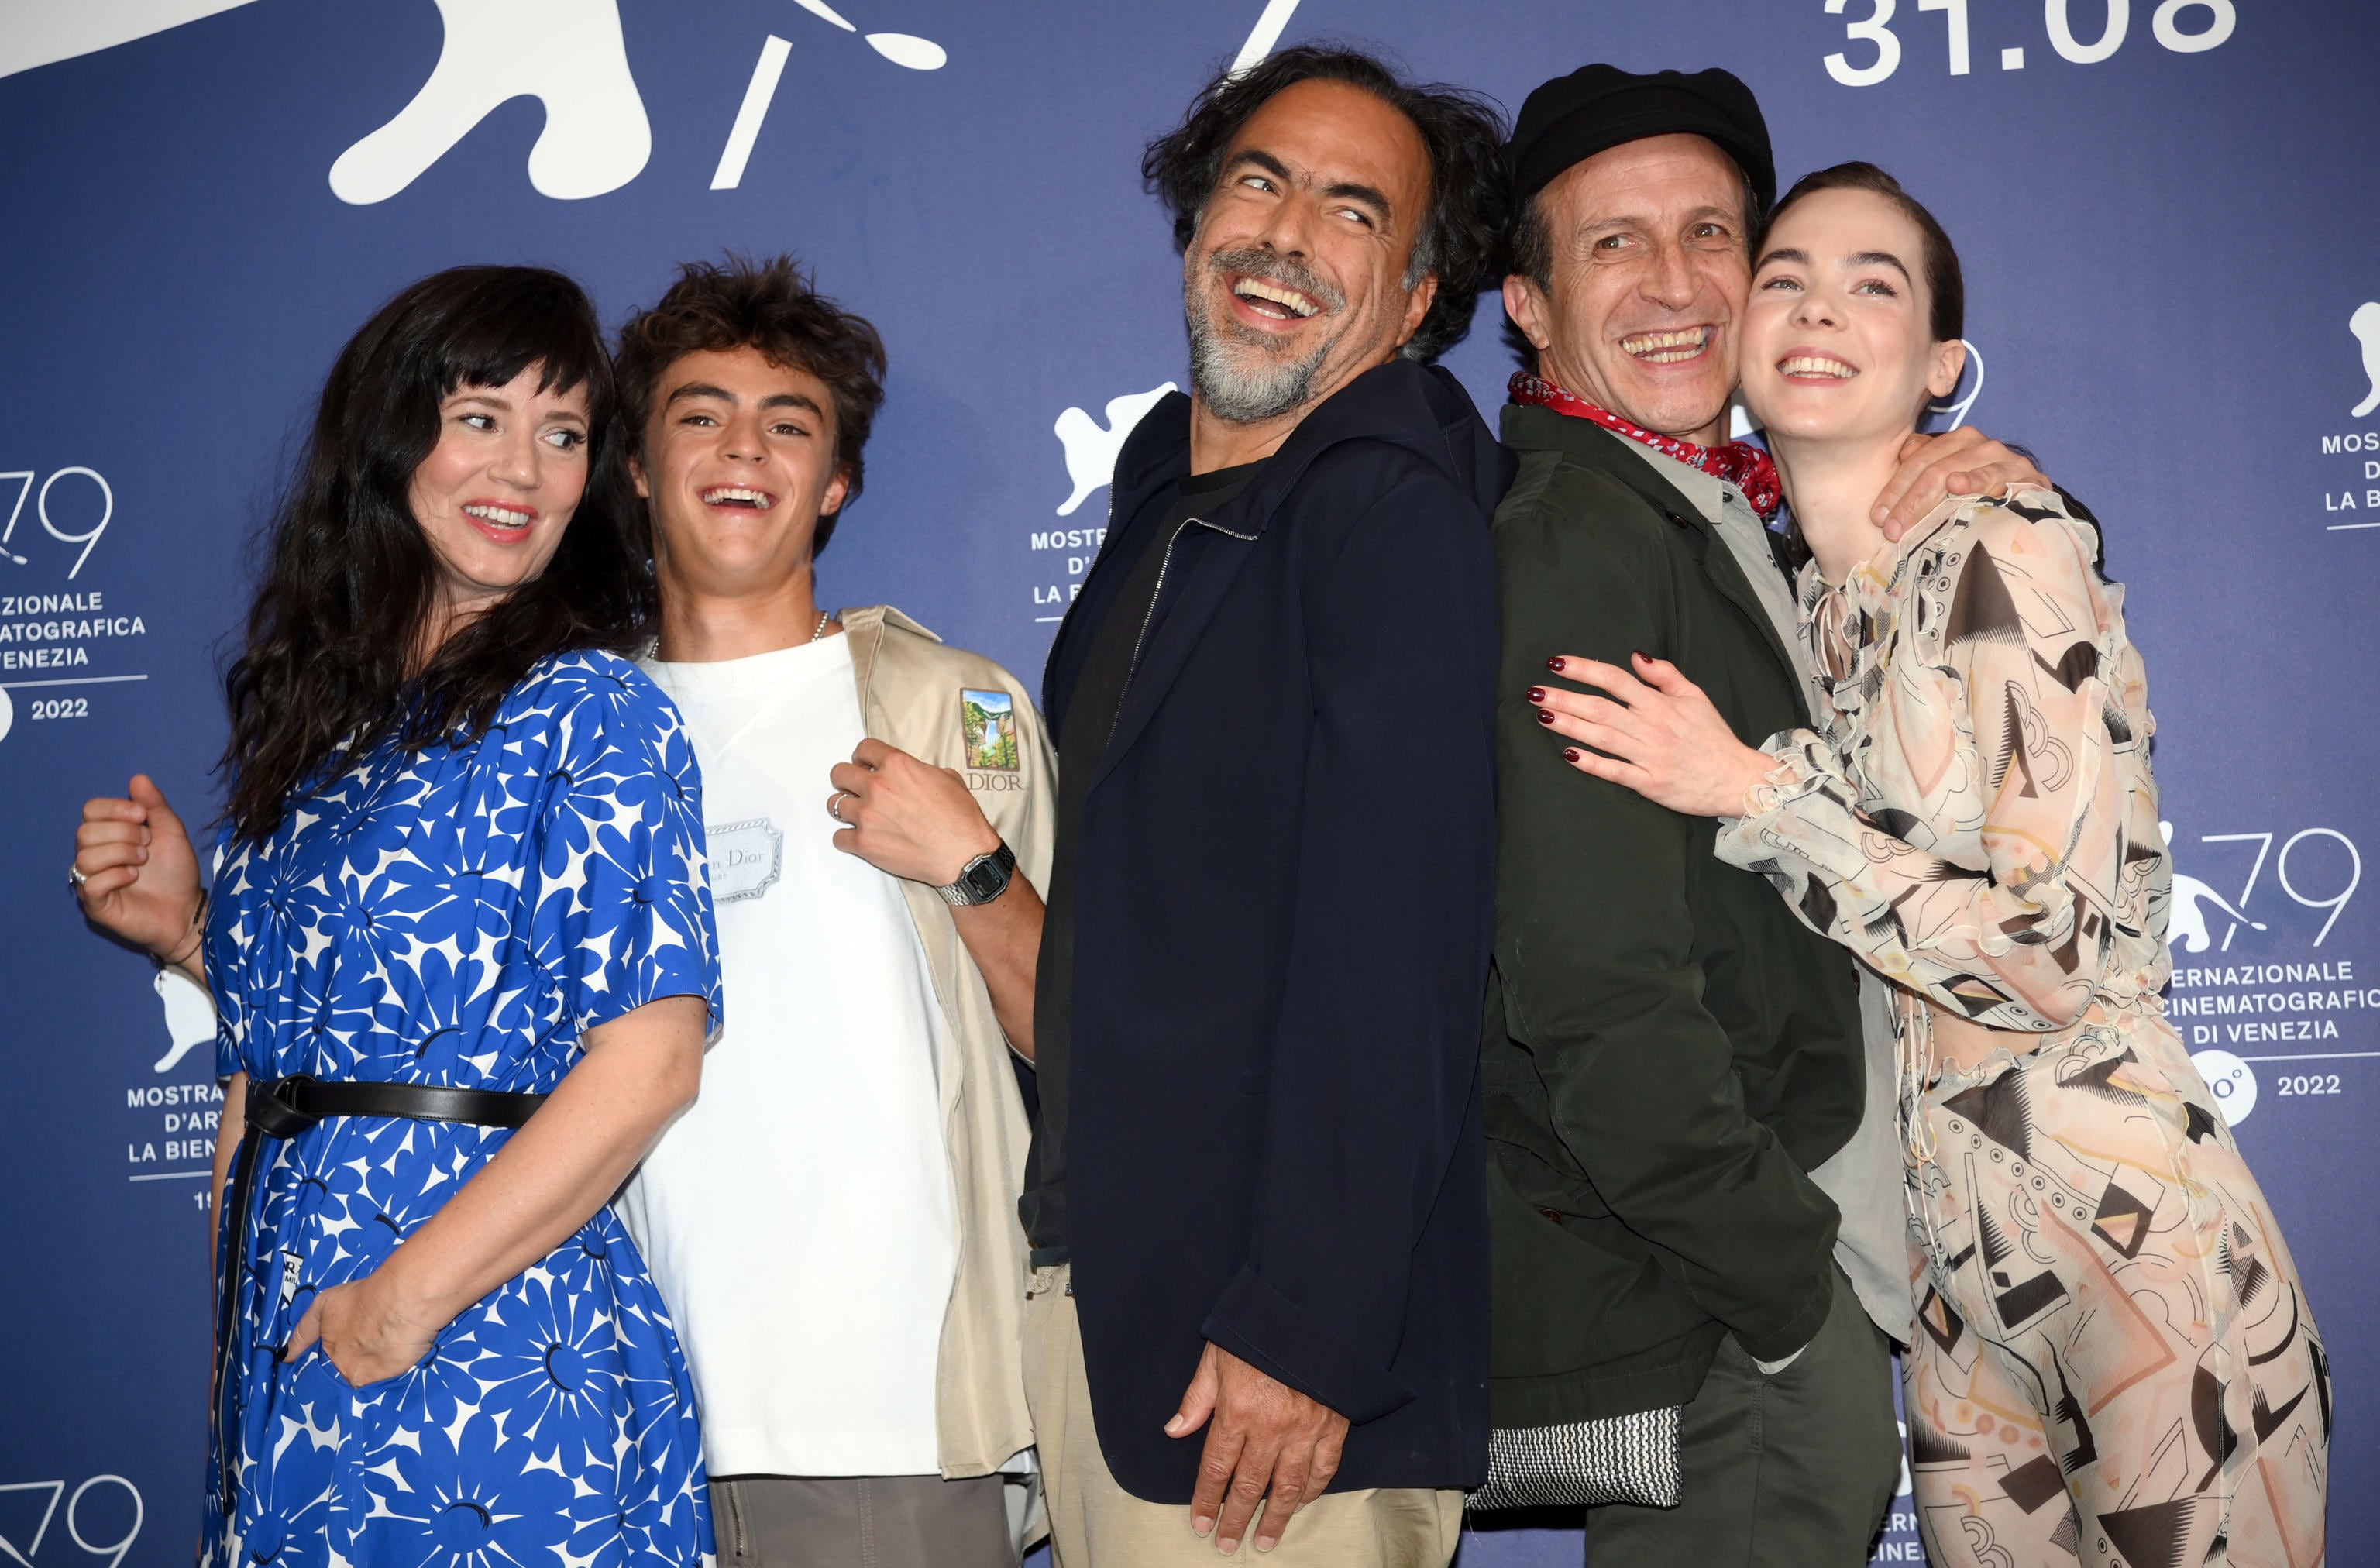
{"points": [[1739, 462]]}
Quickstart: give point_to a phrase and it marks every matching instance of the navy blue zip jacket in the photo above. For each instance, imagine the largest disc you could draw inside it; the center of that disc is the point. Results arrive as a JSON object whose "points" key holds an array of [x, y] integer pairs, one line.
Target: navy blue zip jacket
{"points": [[1285, 905]]}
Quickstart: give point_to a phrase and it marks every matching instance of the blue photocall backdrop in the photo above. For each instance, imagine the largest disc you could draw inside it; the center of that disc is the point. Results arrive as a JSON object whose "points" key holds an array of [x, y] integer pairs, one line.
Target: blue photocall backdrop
{"points": [[2166, 216]]}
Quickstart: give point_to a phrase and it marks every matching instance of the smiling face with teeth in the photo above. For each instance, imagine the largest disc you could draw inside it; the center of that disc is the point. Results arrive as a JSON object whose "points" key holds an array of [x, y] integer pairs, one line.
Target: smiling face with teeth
{"points": [[738, 465], [1646, 284], [1836, 346], [498, 488], [1295, 281]]}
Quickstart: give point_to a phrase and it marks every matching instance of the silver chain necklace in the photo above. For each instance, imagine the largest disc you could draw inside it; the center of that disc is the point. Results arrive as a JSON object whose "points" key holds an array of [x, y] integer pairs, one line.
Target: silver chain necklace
{"points": [[653, 644]]}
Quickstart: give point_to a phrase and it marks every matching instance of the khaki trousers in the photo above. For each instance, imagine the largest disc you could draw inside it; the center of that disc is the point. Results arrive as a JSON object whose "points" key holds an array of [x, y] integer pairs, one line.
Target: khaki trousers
{"points": [[1094, 1523]]}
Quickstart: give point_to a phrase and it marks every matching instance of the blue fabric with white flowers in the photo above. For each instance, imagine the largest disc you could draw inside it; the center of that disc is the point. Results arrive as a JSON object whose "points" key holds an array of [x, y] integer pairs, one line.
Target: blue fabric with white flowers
{"points": [[462, 916]]}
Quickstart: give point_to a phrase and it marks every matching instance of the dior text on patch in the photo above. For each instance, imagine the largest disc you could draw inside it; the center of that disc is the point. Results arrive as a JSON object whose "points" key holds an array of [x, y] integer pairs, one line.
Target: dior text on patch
{"points": [[744, 859]]}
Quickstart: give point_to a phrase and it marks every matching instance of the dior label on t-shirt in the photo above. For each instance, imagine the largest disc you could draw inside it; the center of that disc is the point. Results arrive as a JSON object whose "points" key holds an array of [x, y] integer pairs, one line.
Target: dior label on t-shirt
{"points": [[744, 859]]}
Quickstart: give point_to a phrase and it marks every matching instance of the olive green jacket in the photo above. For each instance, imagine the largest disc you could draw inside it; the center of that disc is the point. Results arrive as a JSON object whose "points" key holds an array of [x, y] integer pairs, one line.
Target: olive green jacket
{"points": [[1668, 1050]]}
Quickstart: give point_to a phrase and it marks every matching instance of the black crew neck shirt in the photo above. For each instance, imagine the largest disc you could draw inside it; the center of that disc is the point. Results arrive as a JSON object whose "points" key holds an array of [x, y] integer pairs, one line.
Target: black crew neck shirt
{"points": [[1083, 738]]}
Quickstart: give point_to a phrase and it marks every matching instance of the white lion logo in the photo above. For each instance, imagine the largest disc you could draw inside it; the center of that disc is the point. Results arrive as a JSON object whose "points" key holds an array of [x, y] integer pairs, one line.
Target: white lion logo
{"points": [[2365, 325], [189, 1018], [2186, 919], [1091, 449]]}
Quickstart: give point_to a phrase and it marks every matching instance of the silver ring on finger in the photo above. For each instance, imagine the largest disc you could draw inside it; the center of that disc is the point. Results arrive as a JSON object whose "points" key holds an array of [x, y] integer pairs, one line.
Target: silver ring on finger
{"points": [[834, 805], [75, 875]]}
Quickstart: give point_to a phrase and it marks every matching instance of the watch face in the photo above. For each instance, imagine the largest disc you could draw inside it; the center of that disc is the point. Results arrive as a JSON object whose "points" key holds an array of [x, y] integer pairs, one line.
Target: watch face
{"points": [[984, 880]]}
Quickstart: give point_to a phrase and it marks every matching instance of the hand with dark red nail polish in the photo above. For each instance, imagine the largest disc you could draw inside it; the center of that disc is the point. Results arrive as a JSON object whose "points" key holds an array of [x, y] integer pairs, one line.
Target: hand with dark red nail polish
{"points": [[1536, 694], [1545, 716], [1570, 753], [1555, 665]]}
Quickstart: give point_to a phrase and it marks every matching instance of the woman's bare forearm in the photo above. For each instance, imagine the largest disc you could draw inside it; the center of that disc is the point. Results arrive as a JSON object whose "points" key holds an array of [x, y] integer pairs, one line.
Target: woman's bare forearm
{"points": [[638, 1073]]}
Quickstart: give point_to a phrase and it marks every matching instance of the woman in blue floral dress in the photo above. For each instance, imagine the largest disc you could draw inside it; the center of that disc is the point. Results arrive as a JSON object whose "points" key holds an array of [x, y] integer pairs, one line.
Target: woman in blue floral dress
{"points": [[464, 852]]}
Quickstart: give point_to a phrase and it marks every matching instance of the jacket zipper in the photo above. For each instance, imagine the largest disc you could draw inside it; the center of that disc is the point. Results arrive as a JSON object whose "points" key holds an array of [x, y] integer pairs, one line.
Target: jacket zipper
{"points": [[1157, 596], [1164, 566]]}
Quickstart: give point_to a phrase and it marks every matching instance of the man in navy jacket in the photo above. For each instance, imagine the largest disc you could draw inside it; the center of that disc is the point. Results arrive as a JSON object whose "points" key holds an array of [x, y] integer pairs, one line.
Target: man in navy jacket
{"points": [[1256, 1198]]}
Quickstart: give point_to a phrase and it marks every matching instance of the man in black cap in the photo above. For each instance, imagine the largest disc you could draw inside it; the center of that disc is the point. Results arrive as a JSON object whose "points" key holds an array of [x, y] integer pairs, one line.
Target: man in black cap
{"points": [[1694, 1186]]}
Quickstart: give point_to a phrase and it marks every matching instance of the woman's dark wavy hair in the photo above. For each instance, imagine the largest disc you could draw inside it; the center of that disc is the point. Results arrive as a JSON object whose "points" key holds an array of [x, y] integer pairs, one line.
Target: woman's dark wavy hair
{"points": [[350, 580], [1460, 239]]}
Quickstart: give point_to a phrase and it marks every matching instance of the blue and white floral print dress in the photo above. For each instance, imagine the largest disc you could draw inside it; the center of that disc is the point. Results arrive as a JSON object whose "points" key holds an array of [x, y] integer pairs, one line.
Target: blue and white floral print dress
{"points": [[461, 916]]}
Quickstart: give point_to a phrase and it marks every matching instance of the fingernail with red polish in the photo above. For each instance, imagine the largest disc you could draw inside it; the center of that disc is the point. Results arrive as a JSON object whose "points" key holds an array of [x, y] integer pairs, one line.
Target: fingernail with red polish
{"points": [[1644, 657], [1555, 665], [1536, 694], [1545, 716], [1570, 753]]}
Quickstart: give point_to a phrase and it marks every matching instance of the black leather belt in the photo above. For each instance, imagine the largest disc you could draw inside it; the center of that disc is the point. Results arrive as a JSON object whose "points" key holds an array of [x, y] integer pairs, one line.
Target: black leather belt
{"points": [[285, 1107], [282, 1108]]}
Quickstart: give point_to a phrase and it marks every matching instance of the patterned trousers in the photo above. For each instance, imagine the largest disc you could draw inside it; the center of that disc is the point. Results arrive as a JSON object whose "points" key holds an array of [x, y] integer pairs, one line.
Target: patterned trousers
{"points": [[2114, 1363]]}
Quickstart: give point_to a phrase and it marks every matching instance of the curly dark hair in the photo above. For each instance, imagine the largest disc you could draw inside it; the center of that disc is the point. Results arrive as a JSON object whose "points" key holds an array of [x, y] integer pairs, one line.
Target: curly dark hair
{"points": [[772, 306], [1461, 241], [350, 578]]}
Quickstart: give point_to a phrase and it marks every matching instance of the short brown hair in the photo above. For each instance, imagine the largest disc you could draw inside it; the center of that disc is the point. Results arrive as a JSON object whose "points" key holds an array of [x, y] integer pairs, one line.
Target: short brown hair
{"points": [[1946, 288], [770, 306]]}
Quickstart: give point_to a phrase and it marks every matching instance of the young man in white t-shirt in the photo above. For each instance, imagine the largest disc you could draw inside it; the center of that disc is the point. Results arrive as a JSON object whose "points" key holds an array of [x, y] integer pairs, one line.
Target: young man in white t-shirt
{"points": [[832, 1223]]}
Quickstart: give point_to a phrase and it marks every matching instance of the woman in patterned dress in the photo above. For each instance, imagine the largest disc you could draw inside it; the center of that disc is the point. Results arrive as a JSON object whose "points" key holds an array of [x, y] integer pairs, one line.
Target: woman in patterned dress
{"points": [[2115, 1360], [463, 850]]}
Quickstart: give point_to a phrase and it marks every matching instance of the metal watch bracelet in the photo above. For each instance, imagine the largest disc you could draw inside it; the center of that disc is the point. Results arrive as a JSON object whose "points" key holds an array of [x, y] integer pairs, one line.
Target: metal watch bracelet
{"points": [[982, 879]]}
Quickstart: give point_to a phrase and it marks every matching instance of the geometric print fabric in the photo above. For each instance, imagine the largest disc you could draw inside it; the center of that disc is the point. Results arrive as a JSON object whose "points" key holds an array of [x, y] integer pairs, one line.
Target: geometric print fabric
{"points": [[2115, 1362], [1975, 814], [460, 916]]}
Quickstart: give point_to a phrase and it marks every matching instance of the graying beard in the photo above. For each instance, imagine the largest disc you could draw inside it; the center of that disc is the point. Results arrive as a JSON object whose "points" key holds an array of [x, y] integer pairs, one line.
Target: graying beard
{"points": [[1238, 391]]}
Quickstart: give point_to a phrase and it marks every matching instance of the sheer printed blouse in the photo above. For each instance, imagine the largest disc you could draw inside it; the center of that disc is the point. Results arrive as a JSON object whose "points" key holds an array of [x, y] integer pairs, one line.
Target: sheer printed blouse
{"points": [[1975, 816]]}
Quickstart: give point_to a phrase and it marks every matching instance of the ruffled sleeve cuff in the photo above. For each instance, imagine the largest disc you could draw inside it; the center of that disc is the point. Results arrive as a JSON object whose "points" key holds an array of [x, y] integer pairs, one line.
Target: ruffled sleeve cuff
{"points": [[1802, 807]]}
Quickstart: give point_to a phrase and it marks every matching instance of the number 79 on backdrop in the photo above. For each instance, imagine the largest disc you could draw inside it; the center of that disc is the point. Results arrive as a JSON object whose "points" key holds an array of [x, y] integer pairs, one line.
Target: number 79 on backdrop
{"points": [[24, 480], [26, 1549]]}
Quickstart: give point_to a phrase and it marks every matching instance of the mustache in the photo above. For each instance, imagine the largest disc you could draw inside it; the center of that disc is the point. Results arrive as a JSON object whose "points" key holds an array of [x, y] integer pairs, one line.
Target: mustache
{"points": [[1274, 267]]}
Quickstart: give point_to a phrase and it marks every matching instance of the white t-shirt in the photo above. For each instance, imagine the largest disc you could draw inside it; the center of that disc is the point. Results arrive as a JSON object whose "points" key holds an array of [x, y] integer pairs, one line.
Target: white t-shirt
{"points": [[798, 1217]]}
